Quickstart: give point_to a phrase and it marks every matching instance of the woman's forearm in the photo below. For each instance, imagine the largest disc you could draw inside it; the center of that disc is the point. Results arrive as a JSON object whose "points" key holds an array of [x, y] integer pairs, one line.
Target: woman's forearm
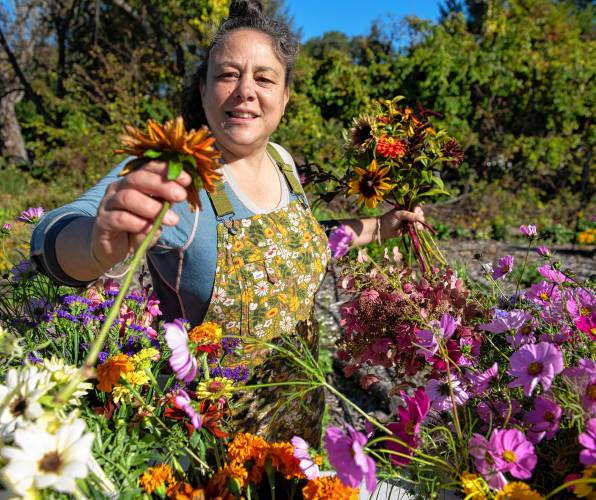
{"points": [[73, 250]]}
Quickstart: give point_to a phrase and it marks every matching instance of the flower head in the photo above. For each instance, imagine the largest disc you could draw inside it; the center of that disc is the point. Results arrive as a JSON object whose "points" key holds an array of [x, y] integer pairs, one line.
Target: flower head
{"points": [[182, 361], [371, 185], [173, 138], [339, 241], [513, 453], [109, 372], [504, 267], [439, 393], [31, 215], [391, 147], [484, 461], [480, 382], [5, 229], [215, 388], [474, 486], [518, 491], [183, 402], [206, 333], [362, 134], [346, 455], [157, 478], [328, 487], [588, 441], [543, 251], [552, 274], [535, 364], [529, 231], [543, 419], [308, 464]]}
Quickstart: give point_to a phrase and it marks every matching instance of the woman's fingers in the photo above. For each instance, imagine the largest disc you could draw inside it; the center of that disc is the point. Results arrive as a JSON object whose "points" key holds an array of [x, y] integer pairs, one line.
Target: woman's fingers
{"points": [[138, 204]]}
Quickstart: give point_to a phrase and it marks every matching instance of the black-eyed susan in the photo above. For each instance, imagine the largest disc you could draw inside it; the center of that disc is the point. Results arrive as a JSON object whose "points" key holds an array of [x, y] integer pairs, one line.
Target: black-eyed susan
{"points": [[371, 185]]}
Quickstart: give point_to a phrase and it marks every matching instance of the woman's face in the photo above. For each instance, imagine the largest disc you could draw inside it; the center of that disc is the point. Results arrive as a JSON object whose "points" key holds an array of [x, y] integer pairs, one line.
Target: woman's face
{"points": [[245, 94]]}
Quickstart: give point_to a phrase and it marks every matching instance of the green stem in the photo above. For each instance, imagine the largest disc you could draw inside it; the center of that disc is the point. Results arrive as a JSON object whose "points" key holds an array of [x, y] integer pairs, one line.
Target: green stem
{"points": [[87, 368], [570, 483]]}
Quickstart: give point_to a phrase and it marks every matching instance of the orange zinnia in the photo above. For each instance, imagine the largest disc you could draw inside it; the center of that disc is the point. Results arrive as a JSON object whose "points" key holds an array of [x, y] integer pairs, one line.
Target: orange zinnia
{"points": [[173, 138], [109, 373], [328, 488]]}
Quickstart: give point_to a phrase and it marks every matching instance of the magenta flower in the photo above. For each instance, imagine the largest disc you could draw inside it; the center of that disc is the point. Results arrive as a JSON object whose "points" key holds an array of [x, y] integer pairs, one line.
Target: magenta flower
{"points": [[339, 241], [427, 339], [535, 364], [31, 215], [513, 453], [439, 394], [183, 363], [480, 382], [303, 454], [183, 402], [6, 229], [529, 231], [583, 379], [543, 251], [504, 267], [417, 407], [552, 274], [587, 325], [543, 419], [480, 449], [543, 294], [516, 322], [588, 441], [153, 306], [346, 455], [408, 444]]}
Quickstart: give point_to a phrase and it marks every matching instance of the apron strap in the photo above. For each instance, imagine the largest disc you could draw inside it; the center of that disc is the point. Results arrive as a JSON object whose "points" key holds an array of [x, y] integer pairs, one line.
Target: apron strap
{"points": [[286, 169], [220, 200]]}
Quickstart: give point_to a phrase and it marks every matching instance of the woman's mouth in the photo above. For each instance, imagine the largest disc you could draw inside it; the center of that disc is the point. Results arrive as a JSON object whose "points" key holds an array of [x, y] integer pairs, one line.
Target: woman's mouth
{"points": [[242, 115]]}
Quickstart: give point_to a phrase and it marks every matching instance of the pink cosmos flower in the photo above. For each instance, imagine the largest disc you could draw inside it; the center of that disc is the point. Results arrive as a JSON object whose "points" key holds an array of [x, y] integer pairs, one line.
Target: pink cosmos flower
{"points": [[412, 415], [513, 453], [543, 294], [480, 382], [183, 363], [552, 274], [587, 325], [439, 394], [302, 453], [543, 251], [31, 215], [543, 419], [588, 441], [408, 444], [339, 241], [183, 402], [504, 267], [517, 322], [427, 339], [6, 229], [347, 456], [529, 231], [583, 379], [535, 364], [480, 449]]}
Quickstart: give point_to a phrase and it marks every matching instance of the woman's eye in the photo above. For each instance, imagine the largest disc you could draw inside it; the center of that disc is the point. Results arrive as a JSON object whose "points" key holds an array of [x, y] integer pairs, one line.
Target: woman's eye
{"points": [[228, 76]]}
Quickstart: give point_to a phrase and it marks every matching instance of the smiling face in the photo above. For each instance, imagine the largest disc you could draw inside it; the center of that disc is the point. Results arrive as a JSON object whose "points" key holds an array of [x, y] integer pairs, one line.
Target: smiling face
{"points": [[245, 92]]}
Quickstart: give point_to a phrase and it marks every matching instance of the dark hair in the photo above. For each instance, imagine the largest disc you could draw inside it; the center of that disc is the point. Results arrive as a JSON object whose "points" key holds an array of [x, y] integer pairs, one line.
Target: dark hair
{"points": [[244, 14]]}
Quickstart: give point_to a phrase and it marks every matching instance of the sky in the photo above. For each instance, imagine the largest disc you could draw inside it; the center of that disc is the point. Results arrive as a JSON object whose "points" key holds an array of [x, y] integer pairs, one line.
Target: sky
{"points": [[353, 17]]}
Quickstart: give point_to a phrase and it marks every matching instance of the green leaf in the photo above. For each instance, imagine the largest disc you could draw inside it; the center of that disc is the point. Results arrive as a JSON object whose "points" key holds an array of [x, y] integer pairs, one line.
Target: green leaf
{"points": [[175, 167], [151, 153]]}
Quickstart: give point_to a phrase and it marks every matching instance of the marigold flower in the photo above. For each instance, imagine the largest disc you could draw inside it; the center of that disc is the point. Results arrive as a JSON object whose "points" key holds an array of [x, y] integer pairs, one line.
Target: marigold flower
{"points": [[371, 185], [329, 488], [185, 491], [586, 490], [246, 446], [283, 459], [518, 491], [109, 372], [156, 478], [207, 333]]}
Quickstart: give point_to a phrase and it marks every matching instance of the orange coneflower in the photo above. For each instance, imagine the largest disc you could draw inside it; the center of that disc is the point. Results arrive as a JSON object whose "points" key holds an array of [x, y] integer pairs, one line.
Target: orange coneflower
{"points": [[371, 185], [173, 138], [109, 372], [328, 487]]}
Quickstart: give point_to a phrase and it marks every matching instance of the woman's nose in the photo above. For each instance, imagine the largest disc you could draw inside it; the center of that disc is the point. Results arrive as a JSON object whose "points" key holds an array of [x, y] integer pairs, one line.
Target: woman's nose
{"points": [[246, 88]]}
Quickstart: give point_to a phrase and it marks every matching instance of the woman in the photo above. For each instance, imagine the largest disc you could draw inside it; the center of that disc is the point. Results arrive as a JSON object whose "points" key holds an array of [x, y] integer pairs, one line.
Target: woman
{"points": [[254, 257]]}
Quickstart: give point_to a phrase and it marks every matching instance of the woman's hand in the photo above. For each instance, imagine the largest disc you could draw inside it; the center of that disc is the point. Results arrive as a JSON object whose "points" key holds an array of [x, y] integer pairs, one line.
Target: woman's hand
{"points": [[128, 209], [392, 222]]}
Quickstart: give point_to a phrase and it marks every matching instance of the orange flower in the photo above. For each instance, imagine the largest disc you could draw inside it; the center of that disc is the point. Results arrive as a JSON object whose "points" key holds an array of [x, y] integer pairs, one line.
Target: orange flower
{"points": [[173, 138], [328, 488], [245, 447], [391, 147], [207, 333], [218, 486], [156, 478], [109, 373], [283, 459], [184, 491]]}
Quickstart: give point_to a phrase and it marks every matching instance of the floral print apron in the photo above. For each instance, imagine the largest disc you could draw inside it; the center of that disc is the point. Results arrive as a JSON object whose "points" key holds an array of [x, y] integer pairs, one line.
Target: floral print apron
{"points": [[269, 268]]}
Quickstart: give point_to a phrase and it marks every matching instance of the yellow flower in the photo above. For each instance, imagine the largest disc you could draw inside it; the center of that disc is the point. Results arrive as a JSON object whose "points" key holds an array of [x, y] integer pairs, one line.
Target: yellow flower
{"points": [[473, 486], [518, 491], [143, 358], [173, 137], [137, 377], [121, 393], [271, 312], [586, 490], [215, 388], [371, 185], [156, 478], [207, 333]]}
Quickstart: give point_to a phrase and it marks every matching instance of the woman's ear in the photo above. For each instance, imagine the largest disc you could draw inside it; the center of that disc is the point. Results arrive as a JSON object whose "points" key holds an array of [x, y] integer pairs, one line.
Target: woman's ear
{"points": [[286, 97]]}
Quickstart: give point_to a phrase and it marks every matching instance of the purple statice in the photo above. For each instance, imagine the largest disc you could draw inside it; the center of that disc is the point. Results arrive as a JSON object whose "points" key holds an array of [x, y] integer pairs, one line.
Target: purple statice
{"points": [[552, 274], [513, 453], [5, 229], [103, 356], [517, 322], [22, 271], [543, 420], [230, 344], [238, 373], [529, 230], [543, 294], [31, 215], [62, 314], [442, 329], [504, 267], [34, 359], [136, 296], [544, 251], [339, 241], [346, 455], [535, 364], [440, 396], [111, 287], [480, 448], [302, 453], [588, 440], [479, 383]]}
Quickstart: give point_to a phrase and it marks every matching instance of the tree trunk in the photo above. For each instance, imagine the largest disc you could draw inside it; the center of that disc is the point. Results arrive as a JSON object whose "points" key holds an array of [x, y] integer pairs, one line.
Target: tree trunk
{"points": [[11, 140]]}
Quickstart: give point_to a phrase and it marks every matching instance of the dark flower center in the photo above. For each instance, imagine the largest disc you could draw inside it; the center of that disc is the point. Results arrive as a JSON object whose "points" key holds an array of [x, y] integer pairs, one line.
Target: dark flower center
{"points": [[591, 392], [18, 406], [363, 133], [525, 330], [50, 462], [549, 416], [444, 389], [368, 185], [535, 368]]}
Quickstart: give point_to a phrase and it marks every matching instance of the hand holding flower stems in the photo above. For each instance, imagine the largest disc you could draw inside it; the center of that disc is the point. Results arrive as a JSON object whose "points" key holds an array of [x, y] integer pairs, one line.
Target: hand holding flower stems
{"points": [[190, 152]]}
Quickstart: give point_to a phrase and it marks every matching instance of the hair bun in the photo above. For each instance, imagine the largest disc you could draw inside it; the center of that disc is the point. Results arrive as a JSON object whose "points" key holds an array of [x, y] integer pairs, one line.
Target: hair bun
{"points": [[245, 8]]}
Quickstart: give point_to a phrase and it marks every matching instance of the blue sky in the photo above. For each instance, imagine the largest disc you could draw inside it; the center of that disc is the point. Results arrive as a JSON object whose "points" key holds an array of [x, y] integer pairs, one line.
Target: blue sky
{"points": [[353, 17]]}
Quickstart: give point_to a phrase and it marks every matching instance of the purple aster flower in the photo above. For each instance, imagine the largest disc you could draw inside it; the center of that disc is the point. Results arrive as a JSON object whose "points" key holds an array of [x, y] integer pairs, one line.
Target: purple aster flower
{"points": [[103, 356], [339, 241], [513, 453], [480, 449], [31, 215], [34, 359], [535, 364], [544, 251], [302, 452], [588, 441], [440, 396], [504, 267], [529, 231], [22, 271], [183, 402], [346, 455], [183, 363], [480, 382], [552, 274], [543, 419], [6, 229]]}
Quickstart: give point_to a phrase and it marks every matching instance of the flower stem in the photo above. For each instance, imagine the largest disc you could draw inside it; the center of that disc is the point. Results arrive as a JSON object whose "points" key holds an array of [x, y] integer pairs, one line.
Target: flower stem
{"points": [[86, 370]]}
